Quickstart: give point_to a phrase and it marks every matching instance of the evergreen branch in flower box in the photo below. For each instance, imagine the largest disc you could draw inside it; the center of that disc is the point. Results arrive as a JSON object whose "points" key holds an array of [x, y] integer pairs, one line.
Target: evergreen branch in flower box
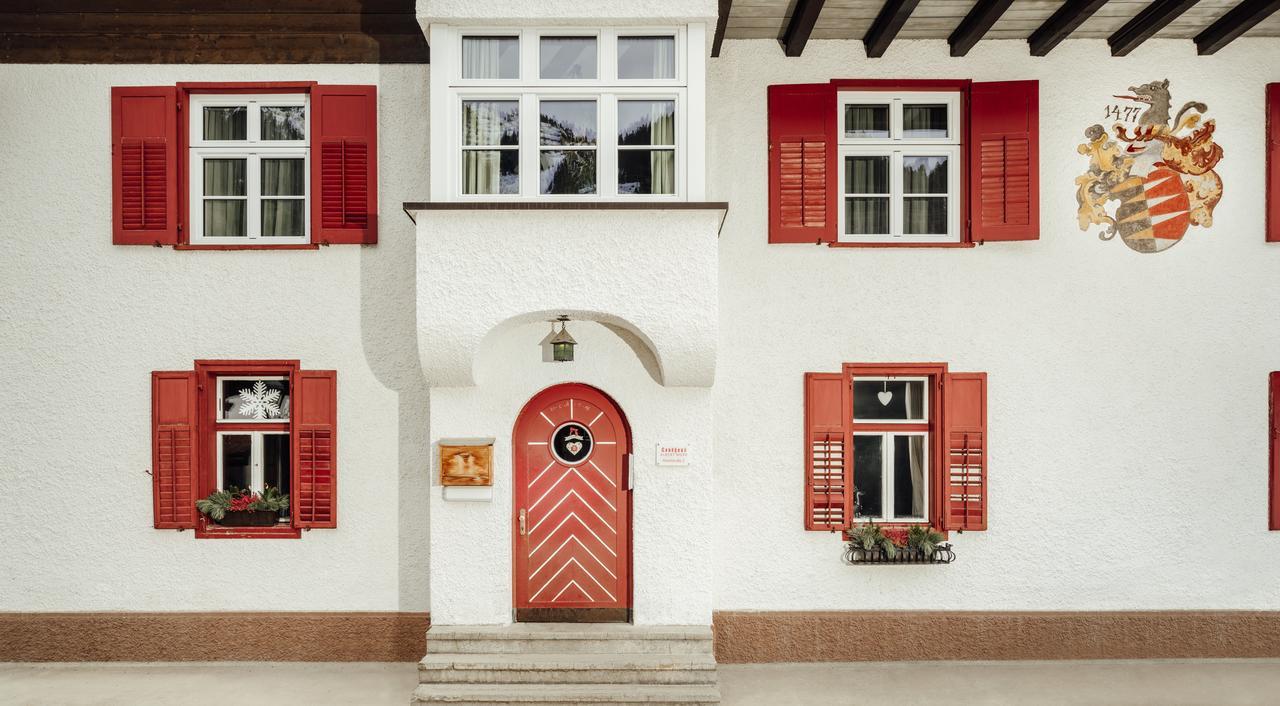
{"points": [[217, 504]]}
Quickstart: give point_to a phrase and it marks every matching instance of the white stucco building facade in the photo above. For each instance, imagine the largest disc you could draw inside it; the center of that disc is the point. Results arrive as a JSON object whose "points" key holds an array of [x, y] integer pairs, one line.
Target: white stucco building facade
{"points": [[1126, 412]]}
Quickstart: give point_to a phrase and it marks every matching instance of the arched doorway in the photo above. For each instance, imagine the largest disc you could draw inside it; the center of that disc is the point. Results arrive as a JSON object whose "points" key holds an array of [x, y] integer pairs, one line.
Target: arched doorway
{"points": [[571, 519]]}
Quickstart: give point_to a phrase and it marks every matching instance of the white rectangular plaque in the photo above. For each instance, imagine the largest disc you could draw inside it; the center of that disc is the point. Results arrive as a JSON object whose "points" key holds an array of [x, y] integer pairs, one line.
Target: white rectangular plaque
{"points": [[673, 454]]}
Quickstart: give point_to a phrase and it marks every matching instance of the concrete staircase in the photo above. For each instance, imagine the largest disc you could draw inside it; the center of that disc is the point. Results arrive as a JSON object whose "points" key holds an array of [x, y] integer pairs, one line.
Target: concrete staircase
{"points": [[558, 663]]}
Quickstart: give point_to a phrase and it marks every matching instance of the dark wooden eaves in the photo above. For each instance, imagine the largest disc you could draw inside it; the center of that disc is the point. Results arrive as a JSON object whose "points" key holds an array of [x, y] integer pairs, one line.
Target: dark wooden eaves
{"points": [[1152, 19], [1237, 21], [975, 25], [803, 18], [1061, 24], [888, 23]]}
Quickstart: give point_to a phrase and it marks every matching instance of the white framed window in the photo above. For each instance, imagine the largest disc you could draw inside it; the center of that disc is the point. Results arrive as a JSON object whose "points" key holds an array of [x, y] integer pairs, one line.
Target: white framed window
{"points": [[891, 476], [891, 426], [899, 167], [566, 113], [249, 169], [253, 460]]}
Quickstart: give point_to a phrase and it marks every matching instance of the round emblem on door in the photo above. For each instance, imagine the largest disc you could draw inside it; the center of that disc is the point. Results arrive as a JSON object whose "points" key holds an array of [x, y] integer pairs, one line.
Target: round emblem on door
{"points": [[571, 443]]}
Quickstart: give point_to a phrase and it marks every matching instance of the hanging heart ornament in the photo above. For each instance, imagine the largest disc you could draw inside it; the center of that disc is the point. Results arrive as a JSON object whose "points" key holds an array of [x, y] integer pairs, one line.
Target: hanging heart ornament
{"points": [[884, 397]]}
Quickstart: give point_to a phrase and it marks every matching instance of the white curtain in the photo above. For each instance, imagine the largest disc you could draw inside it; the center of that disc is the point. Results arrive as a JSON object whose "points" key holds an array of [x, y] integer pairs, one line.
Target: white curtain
{"points": [[282, 177], [916, 450], [664, 58], [662, 163], [482, 57], [224, 218]]}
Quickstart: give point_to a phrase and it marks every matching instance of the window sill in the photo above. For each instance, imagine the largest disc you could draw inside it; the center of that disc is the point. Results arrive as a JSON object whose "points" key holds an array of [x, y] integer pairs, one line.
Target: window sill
{"points": [[211, 531], [411, 207], [838, 244], [293, 246]]}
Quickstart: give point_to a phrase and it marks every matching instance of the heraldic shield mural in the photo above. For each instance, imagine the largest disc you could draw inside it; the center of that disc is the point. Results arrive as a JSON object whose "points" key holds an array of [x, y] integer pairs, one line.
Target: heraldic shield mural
{"points": [[1153, 177]]}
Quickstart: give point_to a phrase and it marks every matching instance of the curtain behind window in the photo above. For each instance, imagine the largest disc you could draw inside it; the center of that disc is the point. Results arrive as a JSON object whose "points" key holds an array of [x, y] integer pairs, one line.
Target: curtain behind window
{"points": [[663, 162]]}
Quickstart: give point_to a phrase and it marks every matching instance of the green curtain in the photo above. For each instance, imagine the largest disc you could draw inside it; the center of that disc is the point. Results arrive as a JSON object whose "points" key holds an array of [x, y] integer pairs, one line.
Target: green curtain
{"points": [[283, 178], [224, 217]]}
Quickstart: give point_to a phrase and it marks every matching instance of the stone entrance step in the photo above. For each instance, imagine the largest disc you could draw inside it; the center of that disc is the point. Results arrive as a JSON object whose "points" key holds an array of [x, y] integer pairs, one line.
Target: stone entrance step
{"points": [[568, 668], [556, 663], [560, 638]]}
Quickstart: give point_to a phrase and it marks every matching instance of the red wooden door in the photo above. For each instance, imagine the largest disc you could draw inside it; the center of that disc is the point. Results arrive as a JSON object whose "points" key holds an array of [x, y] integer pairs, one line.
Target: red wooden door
{"points": [[572, 513]]}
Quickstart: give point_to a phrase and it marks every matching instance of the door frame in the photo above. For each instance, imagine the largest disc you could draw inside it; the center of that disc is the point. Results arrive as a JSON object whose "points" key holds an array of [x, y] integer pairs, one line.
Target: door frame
{"points": [[573, 615]]}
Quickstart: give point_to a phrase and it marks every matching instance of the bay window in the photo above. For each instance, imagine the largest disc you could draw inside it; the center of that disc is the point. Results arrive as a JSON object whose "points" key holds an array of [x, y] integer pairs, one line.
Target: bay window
{"points": [[572, 113]]}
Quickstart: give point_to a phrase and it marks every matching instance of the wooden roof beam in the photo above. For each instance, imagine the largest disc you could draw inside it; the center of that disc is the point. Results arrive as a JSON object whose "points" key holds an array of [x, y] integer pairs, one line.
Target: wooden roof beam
{"points": [[975, 25], [722, 23], [1152, 19], [888, 23], [1239, 20], [803, 18], [1061, 24]]}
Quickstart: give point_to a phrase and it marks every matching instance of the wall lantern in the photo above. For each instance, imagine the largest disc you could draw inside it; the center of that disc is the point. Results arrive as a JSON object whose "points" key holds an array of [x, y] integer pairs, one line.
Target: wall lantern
{"points": [[562, 343]]}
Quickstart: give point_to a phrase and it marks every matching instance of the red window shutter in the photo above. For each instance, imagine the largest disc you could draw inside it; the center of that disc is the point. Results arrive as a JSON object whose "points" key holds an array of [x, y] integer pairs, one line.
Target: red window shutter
{"points": [[964, 482], [315, 436], [1274, 480], [827, 500], [1273, 163], [1004, 161], [144, 171], [803, 180], [344, 164], [173, 436]]}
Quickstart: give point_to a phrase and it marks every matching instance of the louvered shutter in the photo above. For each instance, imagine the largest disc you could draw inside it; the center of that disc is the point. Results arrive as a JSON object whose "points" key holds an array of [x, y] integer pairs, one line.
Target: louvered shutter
{"points": [[315, 431], [803, 184], [827, 500], [964, 480], [1273, 163], [1274, 476], [344, 164], [1004, 161], [144, 171], [173, 442]]}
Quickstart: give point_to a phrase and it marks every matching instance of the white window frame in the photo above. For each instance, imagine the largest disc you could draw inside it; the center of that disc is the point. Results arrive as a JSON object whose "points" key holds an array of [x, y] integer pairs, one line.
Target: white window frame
{"points": [[217, 394], [888, 450], [896, 147], [607, 89], [252, 149], [257, 476]]}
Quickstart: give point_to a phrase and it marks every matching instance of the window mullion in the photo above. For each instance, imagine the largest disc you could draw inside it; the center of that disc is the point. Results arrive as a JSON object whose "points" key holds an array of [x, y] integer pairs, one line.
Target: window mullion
{"points": [[886, 510], [607, 144], [530, 150], [895, 194], [255, 468]]}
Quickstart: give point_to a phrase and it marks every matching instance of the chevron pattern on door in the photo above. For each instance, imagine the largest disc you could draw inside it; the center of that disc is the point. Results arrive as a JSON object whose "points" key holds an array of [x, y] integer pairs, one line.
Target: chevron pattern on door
{"points": [[572, 509]]}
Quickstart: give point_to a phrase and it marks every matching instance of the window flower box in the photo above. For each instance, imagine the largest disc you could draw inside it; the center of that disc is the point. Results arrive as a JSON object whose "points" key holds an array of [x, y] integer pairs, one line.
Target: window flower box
{"points": [[871, 543], [942, 554], [249, 518]]}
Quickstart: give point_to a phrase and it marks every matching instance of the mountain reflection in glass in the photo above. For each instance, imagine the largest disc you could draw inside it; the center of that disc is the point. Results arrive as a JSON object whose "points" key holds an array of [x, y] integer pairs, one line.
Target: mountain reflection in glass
{"points": [[569, 123], [494, 124], [646, 123]]}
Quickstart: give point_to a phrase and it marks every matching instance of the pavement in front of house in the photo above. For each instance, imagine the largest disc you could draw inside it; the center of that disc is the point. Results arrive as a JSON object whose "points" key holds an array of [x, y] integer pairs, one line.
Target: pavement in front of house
{"points": [[1162, 682]]}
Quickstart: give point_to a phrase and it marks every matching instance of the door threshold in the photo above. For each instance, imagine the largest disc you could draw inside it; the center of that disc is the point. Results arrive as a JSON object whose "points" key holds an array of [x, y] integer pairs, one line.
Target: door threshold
{"points": [[573, 615]]}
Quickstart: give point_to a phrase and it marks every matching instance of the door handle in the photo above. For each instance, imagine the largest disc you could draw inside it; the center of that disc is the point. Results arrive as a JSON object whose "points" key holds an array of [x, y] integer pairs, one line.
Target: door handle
{"points": [[523, 512]]}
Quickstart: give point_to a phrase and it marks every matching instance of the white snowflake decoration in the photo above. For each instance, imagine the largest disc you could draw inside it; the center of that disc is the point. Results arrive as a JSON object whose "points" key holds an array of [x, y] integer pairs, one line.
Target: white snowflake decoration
{"points": [[259, 403]]}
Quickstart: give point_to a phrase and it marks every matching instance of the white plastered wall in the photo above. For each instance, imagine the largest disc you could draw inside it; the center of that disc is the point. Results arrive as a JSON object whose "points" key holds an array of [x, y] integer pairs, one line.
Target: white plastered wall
{"points": [[1128, 392], [85, 322]]}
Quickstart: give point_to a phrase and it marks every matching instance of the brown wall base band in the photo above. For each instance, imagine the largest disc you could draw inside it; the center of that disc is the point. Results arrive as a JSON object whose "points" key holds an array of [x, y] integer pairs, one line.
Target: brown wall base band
{"points": [[741, 636], [184, 637], [847, 636]]}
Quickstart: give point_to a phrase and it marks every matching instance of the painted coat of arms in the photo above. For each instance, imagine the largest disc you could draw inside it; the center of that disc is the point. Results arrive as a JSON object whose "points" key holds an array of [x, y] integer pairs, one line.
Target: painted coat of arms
{"points": [[1154, 178]]}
